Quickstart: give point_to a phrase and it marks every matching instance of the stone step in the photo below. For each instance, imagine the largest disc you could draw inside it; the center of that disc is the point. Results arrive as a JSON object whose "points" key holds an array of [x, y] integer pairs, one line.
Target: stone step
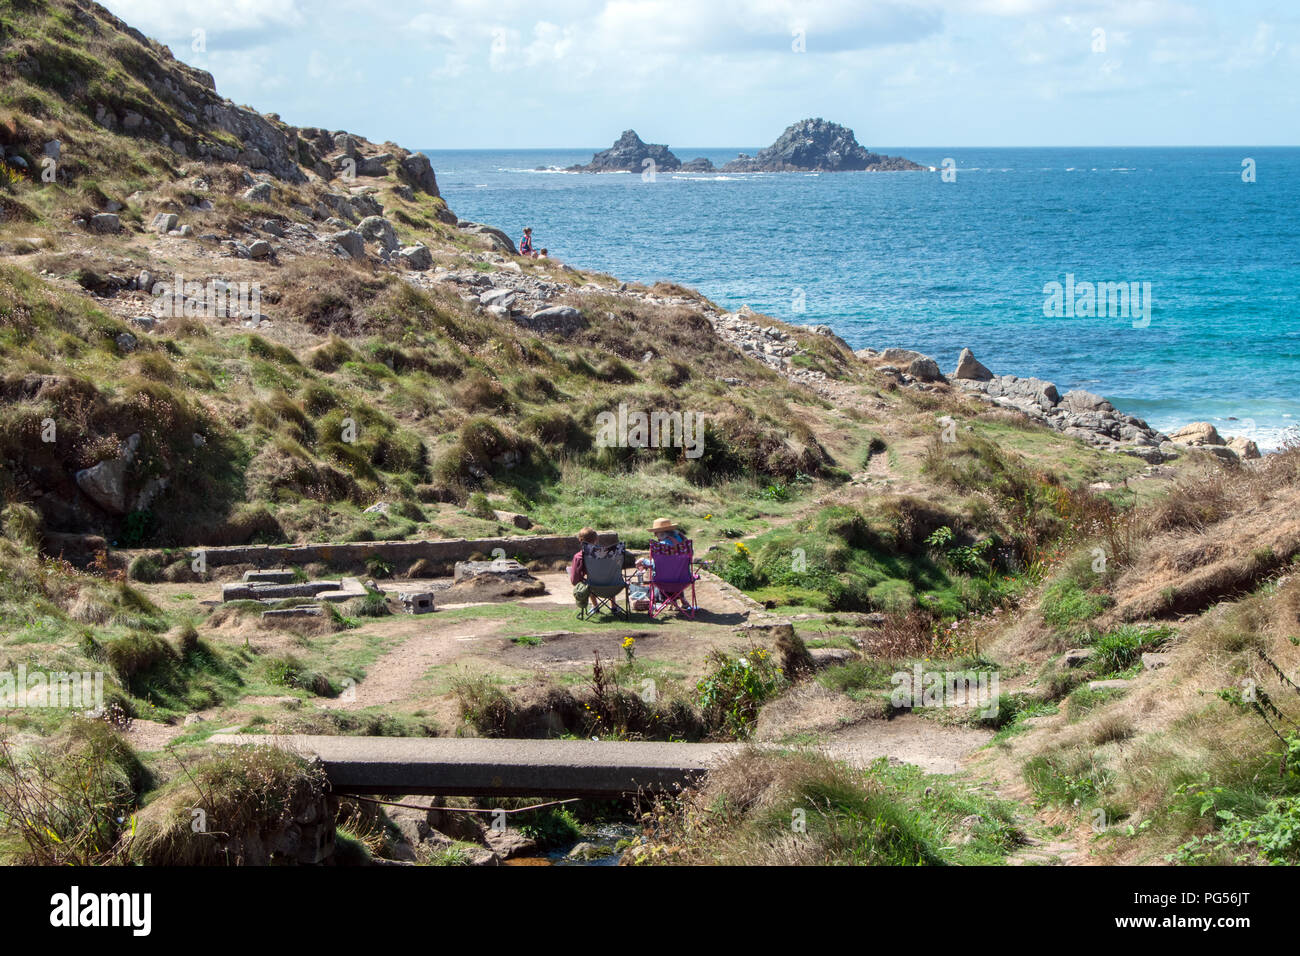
{"points": [[311, 610], [349, 588], [268, 577]]}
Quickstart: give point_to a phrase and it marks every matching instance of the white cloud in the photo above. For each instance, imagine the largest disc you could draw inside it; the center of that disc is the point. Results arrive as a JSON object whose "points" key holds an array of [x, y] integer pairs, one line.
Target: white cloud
{"points": [[723, 70], [232, 23]]}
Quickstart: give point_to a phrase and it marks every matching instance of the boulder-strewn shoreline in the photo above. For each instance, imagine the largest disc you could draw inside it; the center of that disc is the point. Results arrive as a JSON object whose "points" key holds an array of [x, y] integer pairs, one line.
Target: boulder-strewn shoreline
{"points": [[1078, 413]]}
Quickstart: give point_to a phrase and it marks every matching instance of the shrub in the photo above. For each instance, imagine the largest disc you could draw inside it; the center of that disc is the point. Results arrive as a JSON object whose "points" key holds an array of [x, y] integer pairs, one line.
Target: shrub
{"points": [[255, 792], [67, 802], [137, 654], [21, 524], [144, 568], [480, 393], [734, 689], [483, 705], [479, 506], [374, 604]]}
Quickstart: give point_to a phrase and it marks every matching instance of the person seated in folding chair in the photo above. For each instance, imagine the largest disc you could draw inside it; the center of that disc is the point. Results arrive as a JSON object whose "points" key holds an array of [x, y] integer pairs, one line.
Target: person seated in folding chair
{"points": [[578, 570], [597, 576], [671, 573]]}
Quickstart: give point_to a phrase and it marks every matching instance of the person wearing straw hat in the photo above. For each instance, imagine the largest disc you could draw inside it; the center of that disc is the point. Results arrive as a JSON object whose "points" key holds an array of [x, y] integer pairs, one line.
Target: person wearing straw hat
{"points": [[665, 531]]}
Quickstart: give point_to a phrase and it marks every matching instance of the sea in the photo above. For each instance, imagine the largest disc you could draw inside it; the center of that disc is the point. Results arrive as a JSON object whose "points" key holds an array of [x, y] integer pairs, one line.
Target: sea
{"points": [[992, 249]]}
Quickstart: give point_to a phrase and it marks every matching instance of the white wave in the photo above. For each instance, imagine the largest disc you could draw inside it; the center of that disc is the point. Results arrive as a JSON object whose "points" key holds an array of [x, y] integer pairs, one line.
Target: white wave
{"points": [[1267, 437]]}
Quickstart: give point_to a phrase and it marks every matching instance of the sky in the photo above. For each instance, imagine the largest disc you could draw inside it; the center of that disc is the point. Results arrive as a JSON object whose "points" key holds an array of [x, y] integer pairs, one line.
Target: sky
{"points": [[451, 74]]}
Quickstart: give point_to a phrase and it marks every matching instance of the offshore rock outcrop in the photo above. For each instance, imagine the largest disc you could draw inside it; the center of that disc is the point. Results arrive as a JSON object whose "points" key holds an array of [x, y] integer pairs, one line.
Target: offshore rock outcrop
{"points": [[816, 145], [629, 154]]}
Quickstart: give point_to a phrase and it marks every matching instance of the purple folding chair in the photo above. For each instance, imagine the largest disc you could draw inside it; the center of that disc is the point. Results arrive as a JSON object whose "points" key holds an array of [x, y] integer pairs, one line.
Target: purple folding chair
{"points": [[670, 575]]}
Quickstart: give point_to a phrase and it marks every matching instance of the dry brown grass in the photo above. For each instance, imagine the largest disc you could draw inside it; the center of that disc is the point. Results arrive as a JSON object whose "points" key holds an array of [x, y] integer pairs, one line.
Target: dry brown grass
{"points": [[1171, 729], [904, 635], [1185, 572]]}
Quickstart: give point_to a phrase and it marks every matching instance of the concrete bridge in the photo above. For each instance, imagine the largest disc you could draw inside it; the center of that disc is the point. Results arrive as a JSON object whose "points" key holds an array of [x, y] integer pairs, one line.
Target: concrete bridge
{"points": [[478, 767]]}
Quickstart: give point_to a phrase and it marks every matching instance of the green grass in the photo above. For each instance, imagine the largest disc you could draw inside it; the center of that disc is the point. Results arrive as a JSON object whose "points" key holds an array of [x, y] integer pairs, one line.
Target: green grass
{"points": [[1072, 599], [1014, 713], [811, 810], [1120, 651], [1083, 701], [1068, 778], [860, 679]]}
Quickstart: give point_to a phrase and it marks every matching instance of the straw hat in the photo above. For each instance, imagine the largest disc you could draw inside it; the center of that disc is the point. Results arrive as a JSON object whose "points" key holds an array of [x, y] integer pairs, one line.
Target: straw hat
{"points": [[663, 524]]}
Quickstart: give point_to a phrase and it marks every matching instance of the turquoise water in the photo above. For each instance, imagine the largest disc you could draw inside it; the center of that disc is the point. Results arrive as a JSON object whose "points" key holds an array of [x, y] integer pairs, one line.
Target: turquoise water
{"points": [[908, 260]]}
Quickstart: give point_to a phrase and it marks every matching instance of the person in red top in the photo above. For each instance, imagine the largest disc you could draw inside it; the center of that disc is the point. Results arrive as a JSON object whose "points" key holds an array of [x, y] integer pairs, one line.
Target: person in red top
{"points": [[526, 243], [578, 568]]}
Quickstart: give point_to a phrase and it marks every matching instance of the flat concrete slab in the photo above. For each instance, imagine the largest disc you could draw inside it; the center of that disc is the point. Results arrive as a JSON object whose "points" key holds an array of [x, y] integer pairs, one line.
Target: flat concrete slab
{"points": [[268, 577], [348, 589], [471, 766]]}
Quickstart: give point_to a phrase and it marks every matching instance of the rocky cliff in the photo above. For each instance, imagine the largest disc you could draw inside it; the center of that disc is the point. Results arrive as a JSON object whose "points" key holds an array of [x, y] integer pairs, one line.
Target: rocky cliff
{"points": [[86, 59]]}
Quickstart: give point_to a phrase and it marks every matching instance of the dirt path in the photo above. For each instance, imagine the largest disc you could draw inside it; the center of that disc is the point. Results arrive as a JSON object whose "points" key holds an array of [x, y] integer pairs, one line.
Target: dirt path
{"points": [[394, 676], [909, 739], [149, 735]]}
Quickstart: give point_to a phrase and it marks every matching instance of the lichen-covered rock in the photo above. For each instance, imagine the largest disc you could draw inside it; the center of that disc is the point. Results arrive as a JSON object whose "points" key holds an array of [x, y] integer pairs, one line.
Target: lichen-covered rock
{"points": [[417, 257], [500, 240], [379, 229]]}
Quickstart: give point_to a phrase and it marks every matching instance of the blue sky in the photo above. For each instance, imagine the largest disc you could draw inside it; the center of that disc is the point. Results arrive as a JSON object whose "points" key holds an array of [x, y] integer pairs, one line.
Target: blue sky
{"points": [[449, 74]]}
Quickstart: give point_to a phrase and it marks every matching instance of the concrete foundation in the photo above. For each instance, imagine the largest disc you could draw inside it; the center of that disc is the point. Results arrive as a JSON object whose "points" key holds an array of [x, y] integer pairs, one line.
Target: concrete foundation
{"points": [[458, 766]]}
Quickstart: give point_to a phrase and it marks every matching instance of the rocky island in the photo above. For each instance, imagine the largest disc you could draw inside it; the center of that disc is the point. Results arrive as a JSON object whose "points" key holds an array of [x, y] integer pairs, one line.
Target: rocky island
{"points": [[628, 155], [816, 145], [810, 145]]}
